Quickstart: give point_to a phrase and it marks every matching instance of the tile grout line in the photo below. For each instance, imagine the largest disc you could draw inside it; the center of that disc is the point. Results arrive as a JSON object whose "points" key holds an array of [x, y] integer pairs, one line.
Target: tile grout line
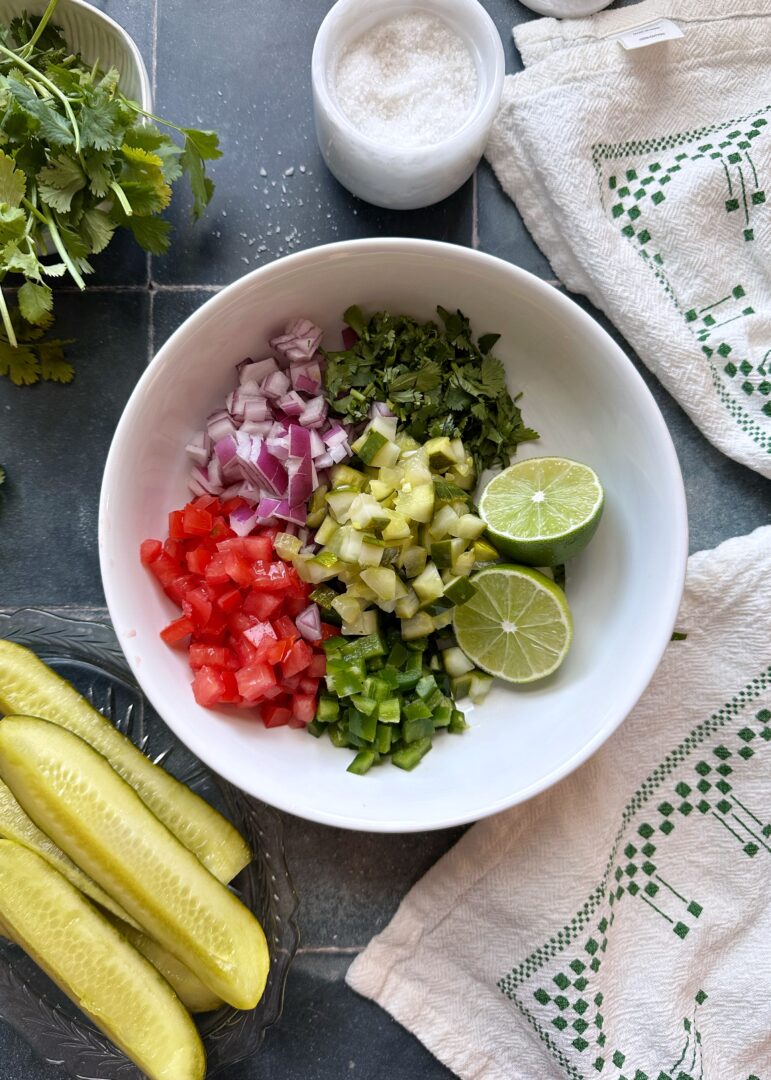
{"points": [[153, 88], [475, 211], [330, 950], [151, 326]]}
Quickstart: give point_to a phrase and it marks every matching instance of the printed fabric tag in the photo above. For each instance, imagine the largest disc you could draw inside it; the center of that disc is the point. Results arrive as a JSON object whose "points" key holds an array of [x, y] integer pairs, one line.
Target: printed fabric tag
{"points": [[650, 34]]}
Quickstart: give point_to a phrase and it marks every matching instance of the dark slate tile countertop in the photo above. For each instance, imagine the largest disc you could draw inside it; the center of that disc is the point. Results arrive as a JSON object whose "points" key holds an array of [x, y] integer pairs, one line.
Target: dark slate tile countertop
{"points": [[244, 69]]}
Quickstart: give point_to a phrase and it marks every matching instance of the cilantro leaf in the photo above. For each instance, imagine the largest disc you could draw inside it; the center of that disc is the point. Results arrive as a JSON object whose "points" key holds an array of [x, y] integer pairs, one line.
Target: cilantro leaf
{"points": [[59, 181], [493, 376], [53, 366], [35, 303], [13, 182], [151, 233], [12, 223], [54, 128], [98, 227], [2, 475], [20, 364], [199, 146], [206, 143], [98, 123]]}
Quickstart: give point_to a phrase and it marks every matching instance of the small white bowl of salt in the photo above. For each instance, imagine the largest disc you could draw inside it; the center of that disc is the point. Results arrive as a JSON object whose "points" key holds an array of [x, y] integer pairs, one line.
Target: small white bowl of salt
{"points": [[404, 96]]}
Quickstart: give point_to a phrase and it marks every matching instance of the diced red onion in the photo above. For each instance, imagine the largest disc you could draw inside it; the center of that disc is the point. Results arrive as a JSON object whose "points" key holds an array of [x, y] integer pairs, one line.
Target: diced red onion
{"points": [[299, 441], [257, 371], [297, 514], [302, 480], [256, 408], [350, 337], [325, 461], [299, 341], [225, 449], [243, 520], [220, 424], [308, 622], [199, 449], [315, 412], [292, 404], [334, 435], [379, 408], [256, 427], [338, 453], [268, 506], [276, 385], [316, 443]]}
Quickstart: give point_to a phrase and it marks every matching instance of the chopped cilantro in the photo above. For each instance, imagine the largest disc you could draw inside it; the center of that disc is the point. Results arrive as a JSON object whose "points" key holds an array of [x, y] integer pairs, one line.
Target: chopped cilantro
{"points": [[436, 379]]}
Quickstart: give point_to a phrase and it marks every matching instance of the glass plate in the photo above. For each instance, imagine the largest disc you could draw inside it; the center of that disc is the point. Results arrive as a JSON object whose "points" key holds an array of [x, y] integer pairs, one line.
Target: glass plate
{"points": [[88, 654]]}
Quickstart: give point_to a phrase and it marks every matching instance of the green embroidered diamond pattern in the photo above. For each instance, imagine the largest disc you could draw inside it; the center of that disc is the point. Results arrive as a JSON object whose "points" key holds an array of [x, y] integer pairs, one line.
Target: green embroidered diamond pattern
{"points": [[739, 383], [570, 1021]]}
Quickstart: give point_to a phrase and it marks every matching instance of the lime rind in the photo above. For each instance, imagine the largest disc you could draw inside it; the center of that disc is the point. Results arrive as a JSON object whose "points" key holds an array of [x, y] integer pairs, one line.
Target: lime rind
{"points": [[517, 625]]}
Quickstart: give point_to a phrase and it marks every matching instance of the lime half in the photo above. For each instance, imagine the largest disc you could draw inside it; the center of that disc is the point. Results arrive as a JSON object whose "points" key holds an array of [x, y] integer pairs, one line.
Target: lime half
{"points": [[542, 511], [516, 625]]}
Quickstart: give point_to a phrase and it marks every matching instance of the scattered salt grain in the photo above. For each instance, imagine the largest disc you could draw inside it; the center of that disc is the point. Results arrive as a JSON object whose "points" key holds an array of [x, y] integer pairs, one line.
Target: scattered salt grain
{"points": [[409, 81]]}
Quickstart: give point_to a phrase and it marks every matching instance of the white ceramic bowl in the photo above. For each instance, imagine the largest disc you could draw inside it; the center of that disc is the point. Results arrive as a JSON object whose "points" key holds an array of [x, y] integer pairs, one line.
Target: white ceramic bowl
{"points": [[98, 37], [401, 177], [588, 402]]}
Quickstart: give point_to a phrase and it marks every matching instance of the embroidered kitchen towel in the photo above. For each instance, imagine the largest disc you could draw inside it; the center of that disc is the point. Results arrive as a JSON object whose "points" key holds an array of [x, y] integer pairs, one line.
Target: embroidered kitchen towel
{"points": [[618, 925], [645, 176]]}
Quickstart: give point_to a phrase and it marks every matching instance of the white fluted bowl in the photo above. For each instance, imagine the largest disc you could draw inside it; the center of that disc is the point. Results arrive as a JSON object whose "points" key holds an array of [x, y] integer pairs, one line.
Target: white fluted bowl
{"points": [[98, 38]]}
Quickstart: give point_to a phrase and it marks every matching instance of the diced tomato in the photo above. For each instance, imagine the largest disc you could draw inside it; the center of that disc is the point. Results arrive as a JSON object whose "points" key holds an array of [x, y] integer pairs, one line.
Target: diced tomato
{"points": [[181, 585], [262, 604], [317, 668], [244, 650], [275, 715], [197, 560], [230, 505], [208, 686], [211, 656], [204, 502], [328, 630], [177, 630], [196, 522], [285, 627], [176, 526], [215, 571], [254, 680], [304, 707], [149, 550], [238, 569], [273, 577], [229, 600], [253, 548], [259, 633], [197, 606], [175, 549], [239, 621], [275, 651], [298, 659], [230, 695], [239, 601]]}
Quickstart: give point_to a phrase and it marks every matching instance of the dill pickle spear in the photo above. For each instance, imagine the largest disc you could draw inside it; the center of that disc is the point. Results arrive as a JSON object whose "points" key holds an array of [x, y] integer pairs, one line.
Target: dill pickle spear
{"points": [[18, 826], [188, 987], [29, 687], [73, 794], [97, 968]]}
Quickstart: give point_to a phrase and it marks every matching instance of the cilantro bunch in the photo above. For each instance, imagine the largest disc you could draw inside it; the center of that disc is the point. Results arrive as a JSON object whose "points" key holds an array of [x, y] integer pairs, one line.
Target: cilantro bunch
{"points": [[78, 160], [437, 380]]}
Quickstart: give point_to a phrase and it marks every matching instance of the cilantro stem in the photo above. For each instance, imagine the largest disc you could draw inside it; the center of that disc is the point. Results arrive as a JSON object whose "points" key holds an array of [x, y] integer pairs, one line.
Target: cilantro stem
{"points": [[52, 87], [34, 210], [73, 272], [151, 116], [40, 27], [10, 333], [121, 197]]}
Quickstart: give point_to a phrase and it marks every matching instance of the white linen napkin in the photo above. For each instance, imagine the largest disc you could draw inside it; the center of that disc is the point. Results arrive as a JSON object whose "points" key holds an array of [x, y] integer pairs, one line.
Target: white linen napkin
{"points": [[619, 924], [645, 177]]}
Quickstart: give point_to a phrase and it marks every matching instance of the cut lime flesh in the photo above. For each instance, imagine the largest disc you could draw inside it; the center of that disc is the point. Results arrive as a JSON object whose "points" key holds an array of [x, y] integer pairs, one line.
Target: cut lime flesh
{"points": [[517, 625], [105, 976], [542, 511], [73, 794], [18, 826], [30, 688]]}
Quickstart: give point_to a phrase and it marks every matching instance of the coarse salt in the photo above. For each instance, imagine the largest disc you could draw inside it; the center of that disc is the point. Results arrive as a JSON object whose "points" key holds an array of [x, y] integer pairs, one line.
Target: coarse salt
{"points": [[409, 81]]}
